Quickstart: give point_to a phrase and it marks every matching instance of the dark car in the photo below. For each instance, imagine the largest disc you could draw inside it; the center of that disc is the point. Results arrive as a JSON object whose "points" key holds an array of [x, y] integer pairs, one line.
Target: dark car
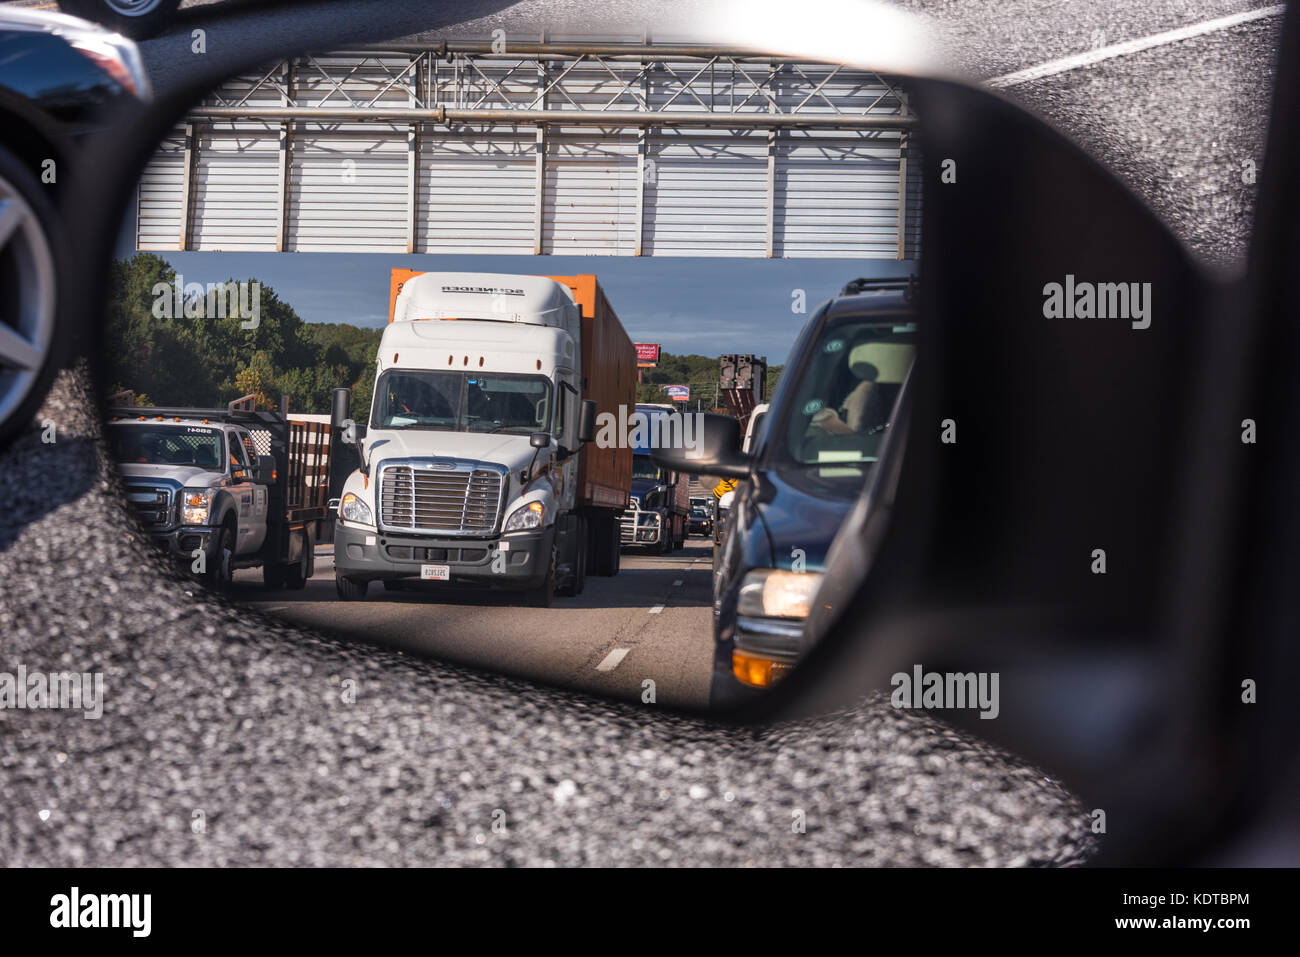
{"points": [[61, 80], [700, 523], [825, 432]]}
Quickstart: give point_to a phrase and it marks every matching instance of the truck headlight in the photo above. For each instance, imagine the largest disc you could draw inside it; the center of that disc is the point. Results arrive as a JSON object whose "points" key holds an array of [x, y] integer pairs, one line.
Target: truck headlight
{"points": [[352, 509], [195, 504], [775, 593], [529, 516]]}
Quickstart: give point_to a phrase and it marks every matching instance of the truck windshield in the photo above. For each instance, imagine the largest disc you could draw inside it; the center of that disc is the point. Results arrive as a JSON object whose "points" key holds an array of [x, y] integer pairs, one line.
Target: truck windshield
{"points": [[167, 445], [462, 402], [643, 467], [844, 398]]}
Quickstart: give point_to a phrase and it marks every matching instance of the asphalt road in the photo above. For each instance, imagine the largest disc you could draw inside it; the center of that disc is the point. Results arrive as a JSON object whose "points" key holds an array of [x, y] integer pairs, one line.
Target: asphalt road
{"points": [[650, 623], [295, 746]]}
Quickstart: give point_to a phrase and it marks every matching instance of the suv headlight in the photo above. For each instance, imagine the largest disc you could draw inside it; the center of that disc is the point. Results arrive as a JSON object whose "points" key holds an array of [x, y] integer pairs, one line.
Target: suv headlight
{"points": [[775, 593], [195, 504], [529, 516], [352, 509]]}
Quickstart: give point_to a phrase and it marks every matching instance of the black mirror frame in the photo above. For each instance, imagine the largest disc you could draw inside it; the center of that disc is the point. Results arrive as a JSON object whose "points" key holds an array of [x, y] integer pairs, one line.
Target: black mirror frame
{"points": [[720, 437]]}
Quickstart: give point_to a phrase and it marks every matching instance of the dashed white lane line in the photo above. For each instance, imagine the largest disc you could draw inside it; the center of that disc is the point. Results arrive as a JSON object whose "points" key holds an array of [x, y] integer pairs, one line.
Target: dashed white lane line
{"points": [[1077, 60], [676, 583], [656, 609], [612, 659]]}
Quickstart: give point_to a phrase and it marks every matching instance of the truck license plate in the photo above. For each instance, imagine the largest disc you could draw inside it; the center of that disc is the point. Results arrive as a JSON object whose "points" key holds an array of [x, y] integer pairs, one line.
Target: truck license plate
{"points": [[437, 573]]}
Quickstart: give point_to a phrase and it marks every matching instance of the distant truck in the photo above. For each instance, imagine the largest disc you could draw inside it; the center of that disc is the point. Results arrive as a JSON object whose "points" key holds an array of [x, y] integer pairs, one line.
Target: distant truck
{"points": [[221, 489], [478, 465], [659, 514]]}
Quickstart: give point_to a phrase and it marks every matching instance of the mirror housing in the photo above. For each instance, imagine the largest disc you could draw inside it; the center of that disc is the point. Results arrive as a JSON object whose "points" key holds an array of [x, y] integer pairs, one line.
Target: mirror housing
{"points": [[539, 440], [587, 421], [717, 450], [264, 471]]}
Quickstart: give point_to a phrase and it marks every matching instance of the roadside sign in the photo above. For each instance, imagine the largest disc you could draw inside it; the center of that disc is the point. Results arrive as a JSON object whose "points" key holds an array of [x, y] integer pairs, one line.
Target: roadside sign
{"points": [[647, 355], [678, 393]]}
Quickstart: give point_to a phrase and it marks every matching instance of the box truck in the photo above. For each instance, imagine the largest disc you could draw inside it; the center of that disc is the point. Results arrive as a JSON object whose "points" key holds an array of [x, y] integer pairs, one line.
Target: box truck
{"points": [[478, 466]]}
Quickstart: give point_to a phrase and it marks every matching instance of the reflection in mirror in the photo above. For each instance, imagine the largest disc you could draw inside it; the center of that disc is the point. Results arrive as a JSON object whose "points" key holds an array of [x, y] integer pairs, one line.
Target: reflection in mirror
{"points": [[587, 352]]}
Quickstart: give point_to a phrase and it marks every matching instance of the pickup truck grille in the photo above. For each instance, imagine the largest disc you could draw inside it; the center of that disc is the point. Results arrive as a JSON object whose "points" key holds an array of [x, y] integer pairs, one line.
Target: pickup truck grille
{"points": [[151, 505], [458, 502]]}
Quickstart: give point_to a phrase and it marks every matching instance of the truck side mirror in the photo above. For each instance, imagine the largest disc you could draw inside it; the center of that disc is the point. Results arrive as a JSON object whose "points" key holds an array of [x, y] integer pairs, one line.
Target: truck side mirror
{"points": [[264, 473], [587, 421], [539, 440]]}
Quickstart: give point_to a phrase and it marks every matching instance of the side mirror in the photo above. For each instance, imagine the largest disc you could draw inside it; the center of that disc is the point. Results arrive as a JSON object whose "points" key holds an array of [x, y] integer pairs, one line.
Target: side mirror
{"points": [[539, 440], [716, 450], [587, 421], [264, 472], [341, 409]]}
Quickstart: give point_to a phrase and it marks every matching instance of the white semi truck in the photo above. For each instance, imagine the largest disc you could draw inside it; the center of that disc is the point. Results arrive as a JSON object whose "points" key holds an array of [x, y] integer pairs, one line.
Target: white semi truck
{"points": [[478, 465]]}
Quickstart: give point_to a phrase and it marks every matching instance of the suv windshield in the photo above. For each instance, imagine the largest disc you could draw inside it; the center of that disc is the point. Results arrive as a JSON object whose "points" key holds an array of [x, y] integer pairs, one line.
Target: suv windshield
{"points": [[845, 395], [167, 445], [462, 402]]}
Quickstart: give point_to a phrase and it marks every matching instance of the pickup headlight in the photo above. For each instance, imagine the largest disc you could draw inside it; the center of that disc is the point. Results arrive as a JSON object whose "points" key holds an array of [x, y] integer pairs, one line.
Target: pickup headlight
{"points": [[775, 593], [195, 504], [529, 516], [352, 509]]}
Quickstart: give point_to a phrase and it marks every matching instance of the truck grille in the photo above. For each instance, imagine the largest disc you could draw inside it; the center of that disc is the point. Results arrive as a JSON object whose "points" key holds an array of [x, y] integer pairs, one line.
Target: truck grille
{"points": [[151, 505], [459, 501], [634, 519]]}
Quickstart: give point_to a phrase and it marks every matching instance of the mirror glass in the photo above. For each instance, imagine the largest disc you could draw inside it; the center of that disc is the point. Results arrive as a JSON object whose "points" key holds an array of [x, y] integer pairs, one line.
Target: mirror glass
{"points": [[366, 294]]}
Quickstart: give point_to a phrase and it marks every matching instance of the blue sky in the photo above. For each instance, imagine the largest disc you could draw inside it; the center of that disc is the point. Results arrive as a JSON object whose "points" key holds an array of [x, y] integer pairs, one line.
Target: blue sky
{"points": [[706, 306]]}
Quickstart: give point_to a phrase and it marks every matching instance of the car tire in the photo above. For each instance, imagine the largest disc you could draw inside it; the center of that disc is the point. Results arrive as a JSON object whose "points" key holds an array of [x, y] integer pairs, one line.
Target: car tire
{"points": [[137, 19], [544, 594], [350, 589], [273, 577], [221, 571], [32, 259], [581, 580], [299, 573]]}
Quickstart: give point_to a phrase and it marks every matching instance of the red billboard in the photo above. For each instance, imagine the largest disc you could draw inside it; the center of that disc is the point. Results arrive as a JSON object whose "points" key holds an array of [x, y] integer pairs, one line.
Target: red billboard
{"points": [[647, 354]]}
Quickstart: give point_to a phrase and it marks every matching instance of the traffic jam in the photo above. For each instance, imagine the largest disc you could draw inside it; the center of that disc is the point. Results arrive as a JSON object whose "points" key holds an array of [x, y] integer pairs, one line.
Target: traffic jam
{"points": [[504, 442], [504, 456], [516, 447]]}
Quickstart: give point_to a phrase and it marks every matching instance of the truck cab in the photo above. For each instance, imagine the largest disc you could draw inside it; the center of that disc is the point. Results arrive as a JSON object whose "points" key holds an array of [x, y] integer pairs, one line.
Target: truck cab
{"points": [[195, 485], [473, 467], [659, 512]]}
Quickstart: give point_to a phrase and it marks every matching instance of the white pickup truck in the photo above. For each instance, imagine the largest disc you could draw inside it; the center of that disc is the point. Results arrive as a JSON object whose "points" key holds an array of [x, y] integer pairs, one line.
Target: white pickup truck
{"points": [[197, 483]]}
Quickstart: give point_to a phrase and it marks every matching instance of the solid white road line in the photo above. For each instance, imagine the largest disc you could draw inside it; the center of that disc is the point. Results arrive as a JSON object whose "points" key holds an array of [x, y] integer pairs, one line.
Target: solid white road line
{"points": [[1053, 67], [612, 659], [656, 609]]}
